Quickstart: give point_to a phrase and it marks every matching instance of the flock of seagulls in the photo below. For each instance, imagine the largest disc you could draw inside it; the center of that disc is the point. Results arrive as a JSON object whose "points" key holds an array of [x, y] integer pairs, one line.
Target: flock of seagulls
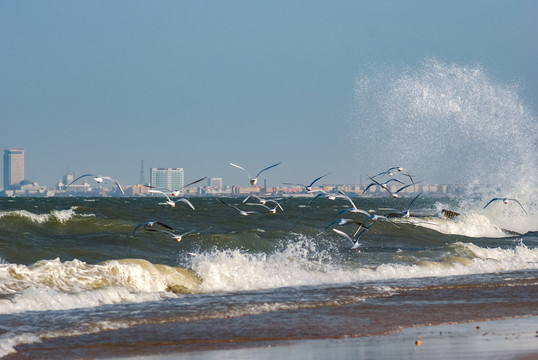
{"points": [[381, 180]]}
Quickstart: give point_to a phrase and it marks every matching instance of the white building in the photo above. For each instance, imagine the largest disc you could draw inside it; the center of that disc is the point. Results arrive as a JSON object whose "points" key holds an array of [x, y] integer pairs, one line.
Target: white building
{"points": [[167, 178]]}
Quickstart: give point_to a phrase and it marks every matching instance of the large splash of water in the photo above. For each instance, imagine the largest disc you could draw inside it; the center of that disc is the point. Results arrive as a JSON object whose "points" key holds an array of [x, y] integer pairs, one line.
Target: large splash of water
{"points": [[448, 124]]}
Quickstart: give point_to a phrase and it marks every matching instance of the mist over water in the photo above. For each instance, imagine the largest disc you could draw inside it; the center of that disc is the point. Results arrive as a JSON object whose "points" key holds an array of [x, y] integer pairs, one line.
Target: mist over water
{"points": [[448, 123]]}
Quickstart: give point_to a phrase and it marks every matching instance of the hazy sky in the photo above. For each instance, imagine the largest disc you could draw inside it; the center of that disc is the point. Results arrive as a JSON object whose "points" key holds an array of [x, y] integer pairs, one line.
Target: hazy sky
{"points": [[97, 86]]}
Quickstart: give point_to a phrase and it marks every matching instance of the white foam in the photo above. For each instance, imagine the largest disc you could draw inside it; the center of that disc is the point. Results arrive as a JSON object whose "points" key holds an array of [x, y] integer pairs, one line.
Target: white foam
{"points": [[8, 342], [299, 265], [56, 285], [55, 215]]}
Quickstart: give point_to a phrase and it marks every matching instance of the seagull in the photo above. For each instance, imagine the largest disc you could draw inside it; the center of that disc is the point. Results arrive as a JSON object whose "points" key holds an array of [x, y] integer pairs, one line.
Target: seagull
{"points": [[404, 214], [177, 192], [171, 202], [176, 237], [505, 200], [150, 224], [331, 196], [242, 212], [354, 208], [389, 171], [382, 185], [376, 217], [308, 188], [271, 210], [354, 242], [395, 194], [254, 180], [341, 222], [99, 179]]}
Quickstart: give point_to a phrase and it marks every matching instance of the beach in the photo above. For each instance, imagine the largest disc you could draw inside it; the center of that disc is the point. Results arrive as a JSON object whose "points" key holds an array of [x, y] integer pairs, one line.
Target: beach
{"points": [[498, 339]]}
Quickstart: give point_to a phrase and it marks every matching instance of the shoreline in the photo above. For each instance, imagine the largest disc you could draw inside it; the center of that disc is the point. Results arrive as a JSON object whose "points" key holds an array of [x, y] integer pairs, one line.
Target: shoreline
{"points": [[514, 338]]}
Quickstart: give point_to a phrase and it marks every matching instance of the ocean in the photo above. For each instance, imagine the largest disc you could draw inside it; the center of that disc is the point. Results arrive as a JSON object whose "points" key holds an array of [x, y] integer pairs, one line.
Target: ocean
{"points": [[74, 283]]}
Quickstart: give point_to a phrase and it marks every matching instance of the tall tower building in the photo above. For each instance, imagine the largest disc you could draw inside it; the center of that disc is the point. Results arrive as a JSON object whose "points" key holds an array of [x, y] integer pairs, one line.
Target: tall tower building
{"points": [[167, 178], [13, 167]]}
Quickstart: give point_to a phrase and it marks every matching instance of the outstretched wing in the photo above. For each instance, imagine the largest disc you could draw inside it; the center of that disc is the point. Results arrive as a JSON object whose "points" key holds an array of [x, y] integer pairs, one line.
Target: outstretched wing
{"points": [[116, 181], [322, 176], [492, 200], [341, 233], [267, 168], [194, 182], [186, 202], [239, 167], [80, 177]]}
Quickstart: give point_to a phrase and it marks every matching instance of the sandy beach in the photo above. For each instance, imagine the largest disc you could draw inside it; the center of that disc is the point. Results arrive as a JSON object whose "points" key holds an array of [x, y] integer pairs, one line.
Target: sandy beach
{"points": [[498, 339]]}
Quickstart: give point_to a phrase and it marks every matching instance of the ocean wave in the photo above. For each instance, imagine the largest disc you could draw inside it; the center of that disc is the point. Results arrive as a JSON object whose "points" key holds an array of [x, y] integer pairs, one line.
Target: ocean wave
{"points": [[61, 216], [301, 264], [56, 285]]}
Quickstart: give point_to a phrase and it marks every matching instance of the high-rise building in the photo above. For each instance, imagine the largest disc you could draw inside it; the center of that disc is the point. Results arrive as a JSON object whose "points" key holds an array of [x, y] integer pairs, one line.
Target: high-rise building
{"points": [[167, 178], [215, 183], [13, 167]]}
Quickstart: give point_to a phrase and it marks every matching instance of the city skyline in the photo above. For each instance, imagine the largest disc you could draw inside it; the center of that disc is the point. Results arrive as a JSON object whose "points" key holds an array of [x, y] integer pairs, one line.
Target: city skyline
{"points": [[349, 88], [165, 180]]}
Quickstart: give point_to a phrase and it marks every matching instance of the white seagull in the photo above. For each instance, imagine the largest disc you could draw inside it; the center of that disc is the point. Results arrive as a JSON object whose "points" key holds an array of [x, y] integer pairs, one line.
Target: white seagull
{"points": [[150, 224], [354, 208], [254, 180], [262, 201], [308, 188], [99, 179], [171, 202], [389, 171], [271, 210], [242, 212], [395, 194], [505, 200], [354, 241], [176, 237]]}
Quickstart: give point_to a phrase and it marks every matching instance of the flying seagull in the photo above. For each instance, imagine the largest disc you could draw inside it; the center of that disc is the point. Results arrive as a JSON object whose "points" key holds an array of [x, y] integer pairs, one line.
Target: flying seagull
{"points": [[99, 179], [308, 188], [177, 192], [354, 241], [254, 180], [389, 171], [176, 237], [505, 200], [150, 224], [171, 202], [242, 212], [271, 210]]}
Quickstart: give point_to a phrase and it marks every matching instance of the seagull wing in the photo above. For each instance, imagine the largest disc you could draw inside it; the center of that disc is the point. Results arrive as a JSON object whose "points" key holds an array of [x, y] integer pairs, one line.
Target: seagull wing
{"points": [[164, 225], [492, 200], [194, 182], [239, 167], [341, 233], [186, 202], [267, 168], [412, 201], [136, 228], [159, 192], [369, 186], [115, 181], [516, 200], [322, 176], [80, 177], [161, 231], [225, 203]]}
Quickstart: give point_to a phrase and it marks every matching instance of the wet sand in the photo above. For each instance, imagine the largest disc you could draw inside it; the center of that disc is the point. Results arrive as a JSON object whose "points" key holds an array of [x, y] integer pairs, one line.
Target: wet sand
{"points": [[500, 339]]}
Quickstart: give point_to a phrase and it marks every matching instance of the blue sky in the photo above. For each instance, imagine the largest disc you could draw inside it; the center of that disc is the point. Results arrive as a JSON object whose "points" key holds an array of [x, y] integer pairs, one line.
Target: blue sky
{"points": [[97, 86]]}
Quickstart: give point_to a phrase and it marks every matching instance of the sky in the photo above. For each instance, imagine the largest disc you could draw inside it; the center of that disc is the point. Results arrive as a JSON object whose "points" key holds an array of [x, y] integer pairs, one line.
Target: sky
{"points": [[98, 86]]}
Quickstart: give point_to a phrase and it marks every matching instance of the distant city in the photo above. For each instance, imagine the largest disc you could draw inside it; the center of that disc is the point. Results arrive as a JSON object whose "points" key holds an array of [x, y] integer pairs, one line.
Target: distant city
{"points": [[171, 179]]}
